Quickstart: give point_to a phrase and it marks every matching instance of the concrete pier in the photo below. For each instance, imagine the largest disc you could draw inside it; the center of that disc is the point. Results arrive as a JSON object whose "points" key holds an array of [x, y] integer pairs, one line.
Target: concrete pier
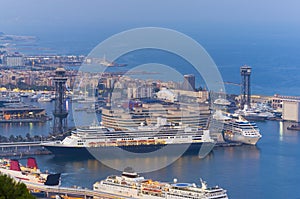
{"points": [[71, 192], [22, 148]]}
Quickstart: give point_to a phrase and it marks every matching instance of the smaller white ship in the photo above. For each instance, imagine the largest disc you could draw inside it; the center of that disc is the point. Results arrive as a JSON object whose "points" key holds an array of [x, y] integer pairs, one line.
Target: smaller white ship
{"points": [[254, 114], [45, 98], [34, 98], [222, 102], [130, 184], [107, 63], [237, 129]]}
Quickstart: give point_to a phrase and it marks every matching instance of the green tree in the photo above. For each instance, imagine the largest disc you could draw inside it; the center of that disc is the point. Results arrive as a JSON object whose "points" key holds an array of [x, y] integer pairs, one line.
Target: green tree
{"points": [[11, 138], [3, 139], [10, 189], [28, 137], [19, 138]]}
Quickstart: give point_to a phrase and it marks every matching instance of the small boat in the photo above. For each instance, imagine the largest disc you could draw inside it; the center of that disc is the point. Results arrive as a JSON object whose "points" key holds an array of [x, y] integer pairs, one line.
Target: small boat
{"points": [[222, 102], [81, 109], [294, 127], [23, 94], [45, 98], [34, 98]]}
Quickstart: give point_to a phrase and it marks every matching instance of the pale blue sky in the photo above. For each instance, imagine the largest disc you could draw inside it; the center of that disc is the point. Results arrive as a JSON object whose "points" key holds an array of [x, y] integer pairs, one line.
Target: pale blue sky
{"points": [[18, 15]]}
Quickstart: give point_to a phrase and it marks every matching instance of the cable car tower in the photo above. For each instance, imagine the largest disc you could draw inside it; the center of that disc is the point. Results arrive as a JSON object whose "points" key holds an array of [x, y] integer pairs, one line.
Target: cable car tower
{"points": [[245, 89], [60, 112]]}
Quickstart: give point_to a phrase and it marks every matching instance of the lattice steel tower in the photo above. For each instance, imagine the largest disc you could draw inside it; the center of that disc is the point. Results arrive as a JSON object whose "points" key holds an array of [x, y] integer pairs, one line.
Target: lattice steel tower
{"points": [[246, 94], [60, 113]]}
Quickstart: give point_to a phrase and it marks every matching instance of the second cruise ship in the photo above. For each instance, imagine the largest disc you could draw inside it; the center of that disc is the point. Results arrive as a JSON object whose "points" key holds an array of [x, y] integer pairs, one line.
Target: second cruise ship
{"points": [[237, 129]]}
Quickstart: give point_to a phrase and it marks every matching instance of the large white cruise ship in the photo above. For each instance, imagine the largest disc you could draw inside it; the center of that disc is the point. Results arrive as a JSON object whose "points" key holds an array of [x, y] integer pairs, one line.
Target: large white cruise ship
{"points": [[237, 129], [130, 184], [143, 139]]}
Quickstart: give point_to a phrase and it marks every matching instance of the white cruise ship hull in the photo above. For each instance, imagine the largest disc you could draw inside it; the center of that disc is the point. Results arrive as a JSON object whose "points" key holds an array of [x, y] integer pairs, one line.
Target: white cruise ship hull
{"points": [[199, 148], [241, 138], [131, 185]]}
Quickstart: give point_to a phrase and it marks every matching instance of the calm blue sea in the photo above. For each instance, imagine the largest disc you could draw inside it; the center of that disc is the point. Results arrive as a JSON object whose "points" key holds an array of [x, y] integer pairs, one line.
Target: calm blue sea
{"points": [[272, 52]]}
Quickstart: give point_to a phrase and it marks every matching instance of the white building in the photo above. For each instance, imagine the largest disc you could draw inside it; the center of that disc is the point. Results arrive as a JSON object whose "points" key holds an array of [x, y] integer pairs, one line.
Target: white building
{"points": [[14, 60], [139, 92], [291, 110], [166, 94]]}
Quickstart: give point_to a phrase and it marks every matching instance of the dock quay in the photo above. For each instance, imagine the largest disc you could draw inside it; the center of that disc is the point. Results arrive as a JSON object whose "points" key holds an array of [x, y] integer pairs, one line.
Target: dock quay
{"points": [[36, 148], [227, 144], [68, 192], [23, 148]]}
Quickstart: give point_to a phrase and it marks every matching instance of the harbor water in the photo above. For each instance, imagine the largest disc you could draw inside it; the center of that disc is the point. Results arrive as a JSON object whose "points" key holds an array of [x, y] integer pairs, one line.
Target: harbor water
{"points": [[268, 170]]}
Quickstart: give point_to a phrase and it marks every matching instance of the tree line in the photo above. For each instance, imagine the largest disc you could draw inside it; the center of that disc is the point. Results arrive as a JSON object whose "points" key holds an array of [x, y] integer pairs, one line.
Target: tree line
{"points": [[19, 138], [11, 189]]}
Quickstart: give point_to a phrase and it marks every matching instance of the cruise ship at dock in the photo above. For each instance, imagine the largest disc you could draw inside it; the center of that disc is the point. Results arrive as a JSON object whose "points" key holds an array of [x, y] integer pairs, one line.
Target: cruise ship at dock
{"points": [[130, 184], [236, 129], [143, 139]]}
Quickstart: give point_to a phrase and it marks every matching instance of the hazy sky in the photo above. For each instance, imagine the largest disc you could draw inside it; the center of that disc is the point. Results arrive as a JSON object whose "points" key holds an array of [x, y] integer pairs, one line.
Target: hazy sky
{"points": [[27, 15]]}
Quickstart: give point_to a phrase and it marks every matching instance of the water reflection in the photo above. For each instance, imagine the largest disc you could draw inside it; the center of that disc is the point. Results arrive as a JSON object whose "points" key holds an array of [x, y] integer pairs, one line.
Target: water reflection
{"points": [[281, 131], [286, 135], [240, 152], [189, 168]]}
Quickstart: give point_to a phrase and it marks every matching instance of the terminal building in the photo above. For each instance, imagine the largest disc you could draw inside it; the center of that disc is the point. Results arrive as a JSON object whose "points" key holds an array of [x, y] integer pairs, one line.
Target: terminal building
{"points": [[167, 95], [278, 100], [19, 112], [137, 112], [291, 110]]}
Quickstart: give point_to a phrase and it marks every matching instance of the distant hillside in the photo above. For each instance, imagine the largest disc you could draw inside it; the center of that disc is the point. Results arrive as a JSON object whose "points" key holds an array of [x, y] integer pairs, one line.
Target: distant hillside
{"points": [[5, 37]]}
